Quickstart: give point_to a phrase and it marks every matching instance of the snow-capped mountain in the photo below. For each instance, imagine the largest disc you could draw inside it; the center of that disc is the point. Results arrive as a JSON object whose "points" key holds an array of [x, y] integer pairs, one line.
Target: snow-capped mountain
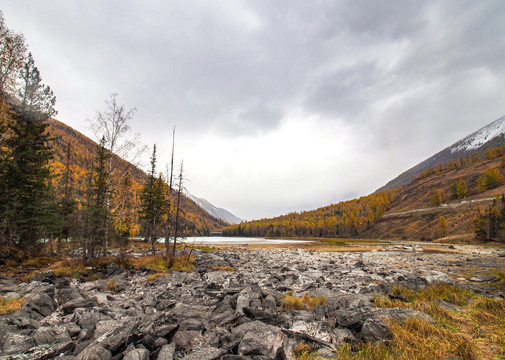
{"points": [[488, 137], [477, 139], [219, 213]]}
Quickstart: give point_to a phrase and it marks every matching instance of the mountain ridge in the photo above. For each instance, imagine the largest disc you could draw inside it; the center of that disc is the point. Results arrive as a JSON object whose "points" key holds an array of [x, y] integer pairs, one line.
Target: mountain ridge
{"points": [[478, 142], [196, 221]]}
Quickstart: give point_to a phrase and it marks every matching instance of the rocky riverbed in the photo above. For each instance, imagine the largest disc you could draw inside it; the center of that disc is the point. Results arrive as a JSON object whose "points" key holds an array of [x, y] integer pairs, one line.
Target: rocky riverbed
{"points": [[208, 314]]}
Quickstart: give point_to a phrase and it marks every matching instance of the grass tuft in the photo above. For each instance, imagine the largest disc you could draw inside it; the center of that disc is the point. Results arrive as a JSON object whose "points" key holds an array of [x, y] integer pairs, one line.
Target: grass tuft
{"points": [[475, 332], [291, 302], [111, 285], [9, 307], [154, 277], [222, 268]]}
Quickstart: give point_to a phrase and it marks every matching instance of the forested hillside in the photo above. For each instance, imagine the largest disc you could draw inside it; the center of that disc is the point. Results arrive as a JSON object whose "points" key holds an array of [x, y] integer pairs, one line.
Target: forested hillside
{"points": [[195, 220], [58, 185], [461, 199], [345, 219]]}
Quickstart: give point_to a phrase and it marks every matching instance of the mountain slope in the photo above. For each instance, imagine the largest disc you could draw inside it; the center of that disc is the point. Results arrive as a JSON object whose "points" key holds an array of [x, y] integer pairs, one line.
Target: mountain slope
{"points": [[215, 211], [195, 220], [415, 214], [486, 138]]}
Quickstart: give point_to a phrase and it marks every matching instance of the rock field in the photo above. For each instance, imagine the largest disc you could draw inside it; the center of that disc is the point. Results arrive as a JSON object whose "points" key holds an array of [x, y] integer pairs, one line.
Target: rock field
{"points": [[208, 314]]}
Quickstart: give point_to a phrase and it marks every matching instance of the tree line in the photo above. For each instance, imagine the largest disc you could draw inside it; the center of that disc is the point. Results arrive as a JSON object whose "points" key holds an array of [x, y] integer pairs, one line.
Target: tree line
{"points": [[92, 205], [345, 219]]}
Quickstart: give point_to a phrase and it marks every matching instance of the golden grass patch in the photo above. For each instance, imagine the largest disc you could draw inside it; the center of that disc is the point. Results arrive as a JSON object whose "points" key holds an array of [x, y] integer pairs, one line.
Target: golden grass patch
{"points": [[222, 268], [291, 302], [474, 332], [111, 285], [9, 307]]}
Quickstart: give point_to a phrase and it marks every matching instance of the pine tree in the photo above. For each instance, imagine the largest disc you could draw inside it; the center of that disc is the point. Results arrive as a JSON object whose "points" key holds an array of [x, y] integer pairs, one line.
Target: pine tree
{"points": [[98, 211], [25, 175], [153, 204], [67, 203]]}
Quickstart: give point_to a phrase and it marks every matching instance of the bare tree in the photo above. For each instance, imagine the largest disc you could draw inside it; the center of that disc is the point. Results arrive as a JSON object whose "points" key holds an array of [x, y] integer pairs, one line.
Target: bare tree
{"points": [[12, 57], [170, 176], [177, 214], [113, 125]]}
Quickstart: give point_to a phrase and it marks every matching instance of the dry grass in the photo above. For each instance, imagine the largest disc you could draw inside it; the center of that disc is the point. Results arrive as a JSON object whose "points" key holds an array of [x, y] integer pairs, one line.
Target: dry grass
{"points": [[111, 285], [291, 302], [154, 277], [158, 263], [9, 307], [222, 268], [475, 332], [302, 348], [70, 268]]}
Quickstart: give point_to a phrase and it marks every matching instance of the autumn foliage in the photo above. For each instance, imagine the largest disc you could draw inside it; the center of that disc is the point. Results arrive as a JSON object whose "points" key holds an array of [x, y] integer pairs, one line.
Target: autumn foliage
{"points": [[345, 219]]}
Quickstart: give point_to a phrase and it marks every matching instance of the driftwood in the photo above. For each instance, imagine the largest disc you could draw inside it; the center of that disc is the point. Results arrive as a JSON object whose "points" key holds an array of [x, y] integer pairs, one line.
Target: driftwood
{"points": [[309, 339]]}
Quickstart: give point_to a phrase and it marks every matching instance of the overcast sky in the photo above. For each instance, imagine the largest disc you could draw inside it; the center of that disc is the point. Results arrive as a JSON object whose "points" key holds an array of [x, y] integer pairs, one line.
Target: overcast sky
{"points": [[280, 106]]}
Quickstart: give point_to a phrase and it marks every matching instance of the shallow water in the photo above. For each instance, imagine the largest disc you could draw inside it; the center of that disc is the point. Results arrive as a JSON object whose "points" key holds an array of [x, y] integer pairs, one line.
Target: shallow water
{"points": [[221, 240]]}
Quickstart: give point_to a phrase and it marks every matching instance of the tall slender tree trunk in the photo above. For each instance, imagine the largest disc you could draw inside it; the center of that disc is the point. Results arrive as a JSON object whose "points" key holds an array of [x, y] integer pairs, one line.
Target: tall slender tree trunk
{"points": [[169, 200], [176, 227]]}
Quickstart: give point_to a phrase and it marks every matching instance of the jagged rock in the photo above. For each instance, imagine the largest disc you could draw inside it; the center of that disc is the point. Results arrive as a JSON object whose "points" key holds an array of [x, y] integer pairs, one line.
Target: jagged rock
{"points": [[95, 352], [266, 317], [113, 339], [217, 337], [206, 315], [37, 287], [7, 285], [50, 335], [166, 352], [204, 354], [185, 340], [22, 320], [165, 331], [325, 353], [375, 330], [77, 303], [39, 305], [115, 270], [436, 277], [353, 301], [17, 344], [64, 295], [257, 338], [137, 354], [45, 276], [354, 319], [248, 298], [339, 336]]}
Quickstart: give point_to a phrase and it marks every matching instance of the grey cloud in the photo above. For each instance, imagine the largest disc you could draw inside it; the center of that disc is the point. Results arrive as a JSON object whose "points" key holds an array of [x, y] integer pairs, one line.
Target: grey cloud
{"points": [[410, 75]]}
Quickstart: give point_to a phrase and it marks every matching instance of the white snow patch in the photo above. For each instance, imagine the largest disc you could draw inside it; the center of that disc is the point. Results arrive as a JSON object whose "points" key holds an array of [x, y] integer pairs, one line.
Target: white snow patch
{"points": [[480, 137]]}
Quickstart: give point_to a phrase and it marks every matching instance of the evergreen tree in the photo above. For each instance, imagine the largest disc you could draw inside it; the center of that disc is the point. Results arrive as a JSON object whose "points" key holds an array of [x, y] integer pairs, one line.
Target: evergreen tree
{"points": [[67, 203], [25, 176], [153, 204], [98, 214]]}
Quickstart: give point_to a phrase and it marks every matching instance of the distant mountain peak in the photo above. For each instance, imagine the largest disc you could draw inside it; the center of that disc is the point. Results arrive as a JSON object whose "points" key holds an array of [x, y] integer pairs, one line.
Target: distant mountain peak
{"points": [[480, 137], [215, 211]]}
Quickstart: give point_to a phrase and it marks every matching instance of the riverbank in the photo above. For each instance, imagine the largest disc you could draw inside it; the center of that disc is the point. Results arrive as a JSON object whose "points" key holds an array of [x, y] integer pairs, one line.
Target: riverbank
{"points": [[276, 303]]}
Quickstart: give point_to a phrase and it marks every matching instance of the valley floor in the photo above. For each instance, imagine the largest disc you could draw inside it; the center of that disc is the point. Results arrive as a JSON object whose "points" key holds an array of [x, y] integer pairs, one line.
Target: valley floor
{"points": [[268, 303]]}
